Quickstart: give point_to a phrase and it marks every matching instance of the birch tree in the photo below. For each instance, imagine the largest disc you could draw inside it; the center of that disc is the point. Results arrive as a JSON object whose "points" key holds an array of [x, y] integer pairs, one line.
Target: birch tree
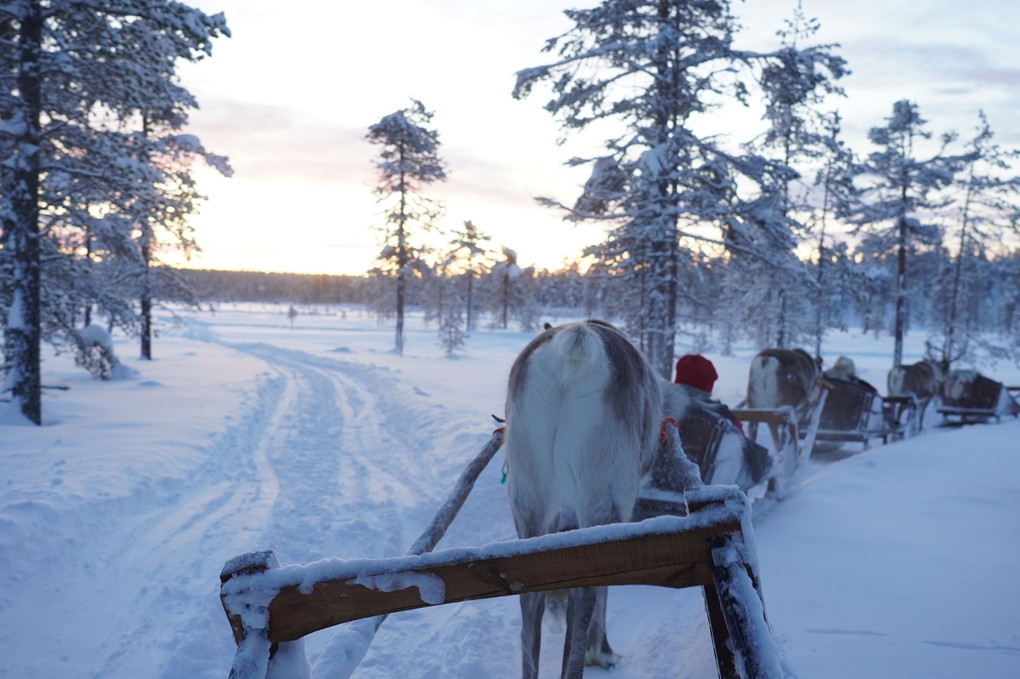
{"points": [[407, 163]]}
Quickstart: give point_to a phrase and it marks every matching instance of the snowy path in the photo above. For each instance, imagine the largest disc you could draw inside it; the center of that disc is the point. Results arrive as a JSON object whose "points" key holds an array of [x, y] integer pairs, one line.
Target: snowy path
{"points": [[323, 458], [330, 448]]}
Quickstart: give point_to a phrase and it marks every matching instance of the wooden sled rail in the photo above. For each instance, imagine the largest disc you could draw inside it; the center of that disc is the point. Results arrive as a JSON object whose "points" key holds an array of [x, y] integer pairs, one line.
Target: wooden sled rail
{"points": [[777, 417], [268, 605]]}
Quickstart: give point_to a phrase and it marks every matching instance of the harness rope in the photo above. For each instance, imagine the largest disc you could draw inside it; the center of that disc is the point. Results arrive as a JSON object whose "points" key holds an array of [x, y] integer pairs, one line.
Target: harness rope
{"points": [[665, 423]]}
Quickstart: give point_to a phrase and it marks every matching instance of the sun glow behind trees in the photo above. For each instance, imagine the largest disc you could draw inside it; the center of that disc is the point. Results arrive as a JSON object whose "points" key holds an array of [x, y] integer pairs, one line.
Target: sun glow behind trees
{"points": [[501, 155], [294, 137], [81, 128]]}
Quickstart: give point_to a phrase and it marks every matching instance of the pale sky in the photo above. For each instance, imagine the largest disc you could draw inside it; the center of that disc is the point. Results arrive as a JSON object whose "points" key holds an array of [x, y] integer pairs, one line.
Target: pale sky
{"points": [[289, 99]]}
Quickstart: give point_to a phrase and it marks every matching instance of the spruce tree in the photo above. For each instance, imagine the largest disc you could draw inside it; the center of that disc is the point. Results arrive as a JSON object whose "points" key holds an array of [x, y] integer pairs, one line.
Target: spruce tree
{"points": [[900, 192], [407, 163], [654, 71]]}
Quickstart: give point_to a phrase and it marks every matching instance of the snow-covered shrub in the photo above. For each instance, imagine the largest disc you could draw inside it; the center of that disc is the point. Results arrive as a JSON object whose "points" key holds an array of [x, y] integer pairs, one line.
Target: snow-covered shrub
{"points": [[94, 352], [451, 332]]}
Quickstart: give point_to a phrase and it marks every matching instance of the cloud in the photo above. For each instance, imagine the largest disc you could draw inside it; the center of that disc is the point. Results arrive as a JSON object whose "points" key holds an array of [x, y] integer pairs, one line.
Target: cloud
{"points": [[280, 144]]}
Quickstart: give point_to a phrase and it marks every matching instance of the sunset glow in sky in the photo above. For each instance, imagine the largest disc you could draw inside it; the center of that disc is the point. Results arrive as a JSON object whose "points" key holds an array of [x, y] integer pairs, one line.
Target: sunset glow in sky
{"points": [[289, 99]]}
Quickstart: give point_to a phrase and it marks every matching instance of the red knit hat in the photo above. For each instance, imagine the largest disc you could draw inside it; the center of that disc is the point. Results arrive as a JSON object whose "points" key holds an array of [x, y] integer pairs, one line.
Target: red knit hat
{"points": [[696, 371]]}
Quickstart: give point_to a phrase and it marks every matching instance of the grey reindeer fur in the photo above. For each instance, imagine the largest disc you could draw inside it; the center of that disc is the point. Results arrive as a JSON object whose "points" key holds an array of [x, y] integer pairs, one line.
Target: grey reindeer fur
{"points": [[583, 410]]}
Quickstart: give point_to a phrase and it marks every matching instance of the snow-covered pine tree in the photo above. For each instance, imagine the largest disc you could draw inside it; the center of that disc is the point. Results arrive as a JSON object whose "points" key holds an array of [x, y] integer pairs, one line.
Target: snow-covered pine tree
{"points": [[436, 289], [452, 335], [63, 143], [902, 192], [504, 288], [794, 85], [469, 256], [166, 196], [408, 162], [656, 70], [986, 211], [1007, 273], [529, 311], [835, 181]]}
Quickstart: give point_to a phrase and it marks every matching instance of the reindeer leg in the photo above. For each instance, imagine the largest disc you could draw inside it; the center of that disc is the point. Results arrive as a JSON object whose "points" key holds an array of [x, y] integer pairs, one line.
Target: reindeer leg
{"points": [[532, 607], [580, 607], [599, 652]]}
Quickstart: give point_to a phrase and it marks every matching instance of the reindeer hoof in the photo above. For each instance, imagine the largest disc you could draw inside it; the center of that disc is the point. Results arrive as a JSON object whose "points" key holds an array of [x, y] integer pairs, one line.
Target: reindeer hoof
{"points": [[605, 660]]}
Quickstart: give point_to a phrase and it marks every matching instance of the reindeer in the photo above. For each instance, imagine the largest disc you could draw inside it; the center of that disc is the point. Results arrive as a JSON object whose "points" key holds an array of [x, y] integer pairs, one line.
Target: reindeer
{"points": [[923, 380], [583, 410], [783, 377]]}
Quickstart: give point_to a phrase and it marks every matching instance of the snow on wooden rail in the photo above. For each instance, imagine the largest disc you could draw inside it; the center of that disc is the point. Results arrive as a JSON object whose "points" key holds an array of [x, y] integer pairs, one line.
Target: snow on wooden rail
{"points": [[712, 548]]}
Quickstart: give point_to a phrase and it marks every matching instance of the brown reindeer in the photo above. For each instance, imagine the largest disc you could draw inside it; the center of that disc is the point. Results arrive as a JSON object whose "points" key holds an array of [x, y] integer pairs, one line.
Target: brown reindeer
{"points": [[923, 380], [783, 377]]}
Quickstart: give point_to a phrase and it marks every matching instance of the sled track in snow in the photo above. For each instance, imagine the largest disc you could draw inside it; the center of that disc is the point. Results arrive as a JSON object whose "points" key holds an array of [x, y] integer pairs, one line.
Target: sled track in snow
{"points": [[323, 460], [332, 449]]}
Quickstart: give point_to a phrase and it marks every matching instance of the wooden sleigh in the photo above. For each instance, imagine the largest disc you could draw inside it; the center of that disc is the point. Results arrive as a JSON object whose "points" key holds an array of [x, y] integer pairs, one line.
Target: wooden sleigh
{"points": [[854, 412], [688, 535], [790, 440], [713, 440], [968, 396]]}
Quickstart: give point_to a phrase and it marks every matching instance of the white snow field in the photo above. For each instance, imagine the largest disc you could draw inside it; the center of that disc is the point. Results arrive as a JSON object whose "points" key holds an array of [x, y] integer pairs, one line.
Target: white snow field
{"points": [[317, 441]]}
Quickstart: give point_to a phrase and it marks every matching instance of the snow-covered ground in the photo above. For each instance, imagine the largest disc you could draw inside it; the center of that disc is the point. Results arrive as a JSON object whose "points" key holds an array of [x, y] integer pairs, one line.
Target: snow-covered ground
{"points": [[244, 433]]}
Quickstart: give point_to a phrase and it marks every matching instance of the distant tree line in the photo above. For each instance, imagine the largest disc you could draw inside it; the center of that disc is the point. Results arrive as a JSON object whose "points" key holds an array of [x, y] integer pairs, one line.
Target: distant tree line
{"points": [[207, 285], [857, 292]]}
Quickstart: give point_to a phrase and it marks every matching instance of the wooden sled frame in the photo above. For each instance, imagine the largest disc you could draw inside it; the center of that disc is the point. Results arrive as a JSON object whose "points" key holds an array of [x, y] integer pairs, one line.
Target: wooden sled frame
{"points": [[268, 605], [701, 538], [904, 404], [862, 430], [791, 443], [704, 428], [785, 437], [710, 434], [968, 414]]}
